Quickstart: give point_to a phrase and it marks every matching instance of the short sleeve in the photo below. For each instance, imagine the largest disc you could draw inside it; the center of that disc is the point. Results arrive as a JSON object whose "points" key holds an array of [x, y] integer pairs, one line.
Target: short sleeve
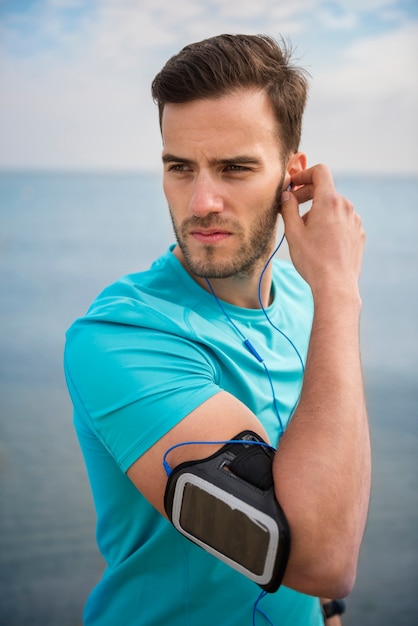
{"points": [[131, 385]]}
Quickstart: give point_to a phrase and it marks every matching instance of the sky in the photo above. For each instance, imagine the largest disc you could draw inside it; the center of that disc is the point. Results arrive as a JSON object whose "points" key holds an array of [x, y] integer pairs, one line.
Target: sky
{"points": [[75, 77]]}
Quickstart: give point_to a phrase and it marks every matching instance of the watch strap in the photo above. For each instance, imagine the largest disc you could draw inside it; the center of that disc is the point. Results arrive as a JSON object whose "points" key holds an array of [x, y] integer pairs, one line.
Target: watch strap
{"points": [[334, 607]]}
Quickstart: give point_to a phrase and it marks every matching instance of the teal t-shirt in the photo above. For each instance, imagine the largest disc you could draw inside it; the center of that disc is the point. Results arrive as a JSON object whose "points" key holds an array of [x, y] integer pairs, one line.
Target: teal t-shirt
{"points": [[152, 348]]}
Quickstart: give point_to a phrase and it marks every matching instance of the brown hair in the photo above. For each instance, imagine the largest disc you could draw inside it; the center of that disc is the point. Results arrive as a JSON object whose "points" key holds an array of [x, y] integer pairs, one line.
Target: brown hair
{"points": [[220, 65]]}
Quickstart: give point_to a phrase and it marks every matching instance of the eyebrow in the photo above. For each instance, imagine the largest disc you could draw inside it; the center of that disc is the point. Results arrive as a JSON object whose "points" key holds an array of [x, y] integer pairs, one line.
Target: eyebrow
{"points": [[242, 159]]}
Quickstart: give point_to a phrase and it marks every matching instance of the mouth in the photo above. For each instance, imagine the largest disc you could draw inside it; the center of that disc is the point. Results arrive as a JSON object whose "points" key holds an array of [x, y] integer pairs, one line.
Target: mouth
{"points": [[210, 236]]}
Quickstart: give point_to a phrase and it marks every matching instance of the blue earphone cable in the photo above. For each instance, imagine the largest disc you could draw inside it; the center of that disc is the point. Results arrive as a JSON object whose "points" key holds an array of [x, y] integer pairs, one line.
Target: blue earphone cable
{"points": [[248, 343], [256, 609], [274, 325], [253, 351], [265, 312], [167, 467]]}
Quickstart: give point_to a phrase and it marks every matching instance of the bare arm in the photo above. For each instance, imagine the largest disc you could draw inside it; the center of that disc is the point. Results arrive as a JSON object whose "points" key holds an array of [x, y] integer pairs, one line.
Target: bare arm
{"points": [[324, 455]]}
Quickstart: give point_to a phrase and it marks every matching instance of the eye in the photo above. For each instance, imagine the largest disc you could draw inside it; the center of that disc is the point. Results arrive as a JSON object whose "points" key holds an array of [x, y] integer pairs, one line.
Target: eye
{"points": [[179, 167], [233, 167]]}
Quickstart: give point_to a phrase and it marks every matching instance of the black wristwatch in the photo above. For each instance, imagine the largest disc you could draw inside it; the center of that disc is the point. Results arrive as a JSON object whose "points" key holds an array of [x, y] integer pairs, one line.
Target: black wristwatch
{"points": [[334, 607]]}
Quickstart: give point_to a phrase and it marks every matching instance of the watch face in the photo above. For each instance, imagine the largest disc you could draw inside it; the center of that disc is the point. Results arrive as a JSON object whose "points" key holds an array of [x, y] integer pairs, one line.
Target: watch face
{"points": [[225, 528]]}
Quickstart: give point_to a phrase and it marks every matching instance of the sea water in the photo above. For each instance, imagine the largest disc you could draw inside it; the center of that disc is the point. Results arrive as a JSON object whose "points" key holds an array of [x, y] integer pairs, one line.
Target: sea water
{"points": [[63, 237]]}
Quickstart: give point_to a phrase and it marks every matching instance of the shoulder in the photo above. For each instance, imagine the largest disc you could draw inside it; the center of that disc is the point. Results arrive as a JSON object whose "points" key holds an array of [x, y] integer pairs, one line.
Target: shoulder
{"points": [[148, 311], [143, 299]]}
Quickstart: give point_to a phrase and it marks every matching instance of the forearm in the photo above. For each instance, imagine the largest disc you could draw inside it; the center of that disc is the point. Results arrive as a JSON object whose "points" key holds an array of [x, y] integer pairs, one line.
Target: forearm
{"points": [[322, 468]]}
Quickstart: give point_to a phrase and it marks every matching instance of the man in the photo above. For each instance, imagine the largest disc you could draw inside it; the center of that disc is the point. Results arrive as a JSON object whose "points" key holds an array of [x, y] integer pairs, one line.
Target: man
{"points": [[215, 341]]}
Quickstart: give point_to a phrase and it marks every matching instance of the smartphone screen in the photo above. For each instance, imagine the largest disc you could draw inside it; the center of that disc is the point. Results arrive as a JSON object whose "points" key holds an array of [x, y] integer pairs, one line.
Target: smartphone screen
{"points": [[228, 530]]}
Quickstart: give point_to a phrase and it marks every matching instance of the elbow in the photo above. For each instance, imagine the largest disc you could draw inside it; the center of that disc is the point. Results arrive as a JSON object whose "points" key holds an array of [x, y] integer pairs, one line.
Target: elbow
{"points": [[337, 579], [329, 572], [324, 556]]}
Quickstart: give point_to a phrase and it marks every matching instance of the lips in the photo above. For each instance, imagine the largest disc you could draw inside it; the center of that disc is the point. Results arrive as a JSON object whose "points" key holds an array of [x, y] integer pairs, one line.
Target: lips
{"points": [[212, 236]]}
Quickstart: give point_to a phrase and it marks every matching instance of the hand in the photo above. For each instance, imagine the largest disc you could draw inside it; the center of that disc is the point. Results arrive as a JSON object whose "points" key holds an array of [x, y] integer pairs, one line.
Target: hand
{"points": [[326, 244]]}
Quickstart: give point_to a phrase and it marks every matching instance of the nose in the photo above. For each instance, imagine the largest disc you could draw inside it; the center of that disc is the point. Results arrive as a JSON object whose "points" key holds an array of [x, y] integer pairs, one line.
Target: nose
{"points": [[206, 197]]}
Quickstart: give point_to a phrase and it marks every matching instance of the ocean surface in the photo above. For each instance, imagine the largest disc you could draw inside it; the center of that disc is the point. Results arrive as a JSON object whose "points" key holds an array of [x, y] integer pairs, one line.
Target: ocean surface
{"points": [[63, 237]]}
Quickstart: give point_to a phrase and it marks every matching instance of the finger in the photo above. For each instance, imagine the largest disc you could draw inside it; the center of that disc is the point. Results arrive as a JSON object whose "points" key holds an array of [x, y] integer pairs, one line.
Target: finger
{"points": [[319, 176], [303, 193], [317, 184], [290, 213]]}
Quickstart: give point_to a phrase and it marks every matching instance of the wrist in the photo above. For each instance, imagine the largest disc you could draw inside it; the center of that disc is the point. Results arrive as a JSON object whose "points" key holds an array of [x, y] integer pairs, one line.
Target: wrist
{"points": [[337, 304], [340, 291]]}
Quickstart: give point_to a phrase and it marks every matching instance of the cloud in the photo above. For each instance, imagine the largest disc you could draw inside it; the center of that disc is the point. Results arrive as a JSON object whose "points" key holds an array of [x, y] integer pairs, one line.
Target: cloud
{"points": [[362, 114], [375, 67], [77, 76]]}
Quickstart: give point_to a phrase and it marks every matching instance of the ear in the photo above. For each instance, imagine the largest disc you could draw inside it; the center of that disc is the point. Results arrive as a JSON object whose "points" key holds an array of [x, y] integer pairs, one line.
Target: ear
{"points": [[296, 163]]}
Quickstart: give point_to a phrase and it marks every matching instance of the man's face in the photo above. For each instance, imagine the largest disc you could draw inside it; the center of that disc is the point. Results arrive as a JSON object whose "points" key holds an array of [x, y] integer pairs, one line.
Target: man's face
{"points": [[223, 177]]}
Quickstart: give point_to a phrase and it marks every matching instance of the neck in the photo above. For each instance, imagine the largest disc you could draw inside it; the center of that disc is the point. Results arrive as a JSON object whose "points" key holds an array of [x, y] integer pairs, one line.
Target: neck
{"points": [[241, 289]]}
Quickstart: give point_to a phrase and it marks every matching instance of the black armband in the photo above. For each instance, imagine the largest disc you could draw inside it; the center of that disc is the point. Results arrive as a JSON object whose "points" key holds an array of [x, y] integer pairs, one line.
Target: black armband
{"points": [[226, 504]]}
